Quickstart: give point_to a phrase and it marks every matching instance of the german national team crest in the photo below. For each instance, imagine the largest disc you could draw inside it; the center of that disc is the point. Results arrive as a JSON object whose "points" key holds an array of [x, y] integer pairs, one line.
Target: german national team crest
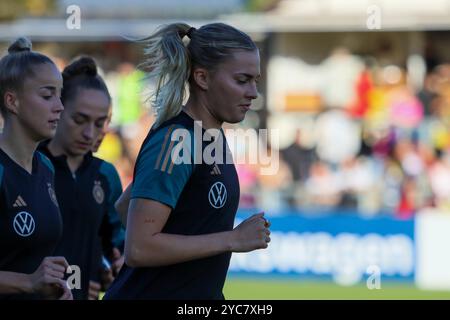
{"points": [[52, 194], [24, 224], [217, 195], [99, 194]]}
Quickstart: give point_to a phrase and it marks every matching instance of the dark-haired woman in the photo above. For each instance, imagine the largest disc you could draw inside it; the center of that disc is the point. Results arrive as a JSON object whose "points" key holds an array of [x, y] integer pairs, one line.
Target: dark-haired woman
{"points": [[30, 221], [86, 187], [180, 234]]}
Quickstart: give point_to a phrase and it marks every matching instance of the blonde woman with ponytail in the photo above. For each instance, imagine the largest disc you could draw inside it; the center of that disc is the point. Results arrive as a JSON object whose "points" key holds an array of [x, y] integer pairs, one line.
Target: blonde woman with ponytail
{"points": [[180, 214], [30, 221]]}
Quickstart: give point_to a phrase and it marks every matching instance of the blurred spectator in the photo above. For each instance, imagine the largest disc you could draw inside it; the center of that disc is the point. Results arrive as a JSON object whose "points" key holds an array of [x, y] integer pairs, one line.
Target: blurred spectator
{"points": [[274, 187], [428, 93], [337, 136], [359, 185], [129, 109], [323, 189], [299, 159], [439, 175], [407, 205], [363, 87], [342, 69]]}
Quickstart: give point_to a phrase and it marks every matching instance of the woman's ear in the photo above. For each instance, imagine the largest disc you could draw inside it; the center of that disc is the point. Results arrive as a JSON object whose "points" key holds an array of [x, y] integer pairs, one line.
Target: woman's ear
{"points": [[11, 102], [201, 78]]}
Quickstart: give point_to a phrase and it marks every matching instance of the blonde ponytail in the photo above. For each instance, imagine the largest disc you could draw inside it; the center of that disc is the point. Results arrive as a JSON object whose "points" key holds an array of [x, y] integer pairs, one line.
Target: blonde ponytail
{"points": [[167, 62]]}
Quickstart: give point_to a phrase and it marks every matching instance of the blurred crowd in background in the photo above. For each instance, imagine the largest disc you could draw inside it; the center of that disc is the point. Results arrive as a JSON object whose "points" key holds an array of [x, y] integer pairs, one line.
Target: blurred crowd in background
{"points": [[363, 115], [385, 152]]}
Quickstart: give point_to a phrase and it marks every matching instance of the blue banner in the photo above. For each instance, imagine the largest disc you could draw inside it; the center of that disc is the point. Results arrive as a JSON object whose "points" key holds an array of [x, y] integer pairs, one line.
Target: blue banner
{"points": [[344, 248]]}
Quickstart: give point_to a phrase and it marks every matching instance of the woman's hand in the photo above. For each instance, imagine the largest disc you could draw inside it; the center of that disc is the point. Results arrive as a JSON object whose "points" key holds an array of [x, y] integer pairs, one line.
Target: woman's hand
{"points": [[253, 233], [48, 279]]}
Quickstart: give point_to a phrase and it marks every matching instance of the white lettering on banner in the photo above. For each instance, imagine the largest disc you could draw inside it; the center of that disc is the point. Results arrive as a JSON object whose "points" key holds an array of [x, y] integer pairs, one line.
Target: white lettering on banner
{"points": [[345, 256]]}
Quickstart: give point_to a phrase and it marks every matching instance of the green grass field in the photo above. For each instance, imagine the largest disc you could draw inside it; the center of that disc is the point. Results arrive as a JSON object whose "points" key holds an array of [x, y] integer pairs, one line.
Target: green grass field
{"points": [[293, 289]]}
